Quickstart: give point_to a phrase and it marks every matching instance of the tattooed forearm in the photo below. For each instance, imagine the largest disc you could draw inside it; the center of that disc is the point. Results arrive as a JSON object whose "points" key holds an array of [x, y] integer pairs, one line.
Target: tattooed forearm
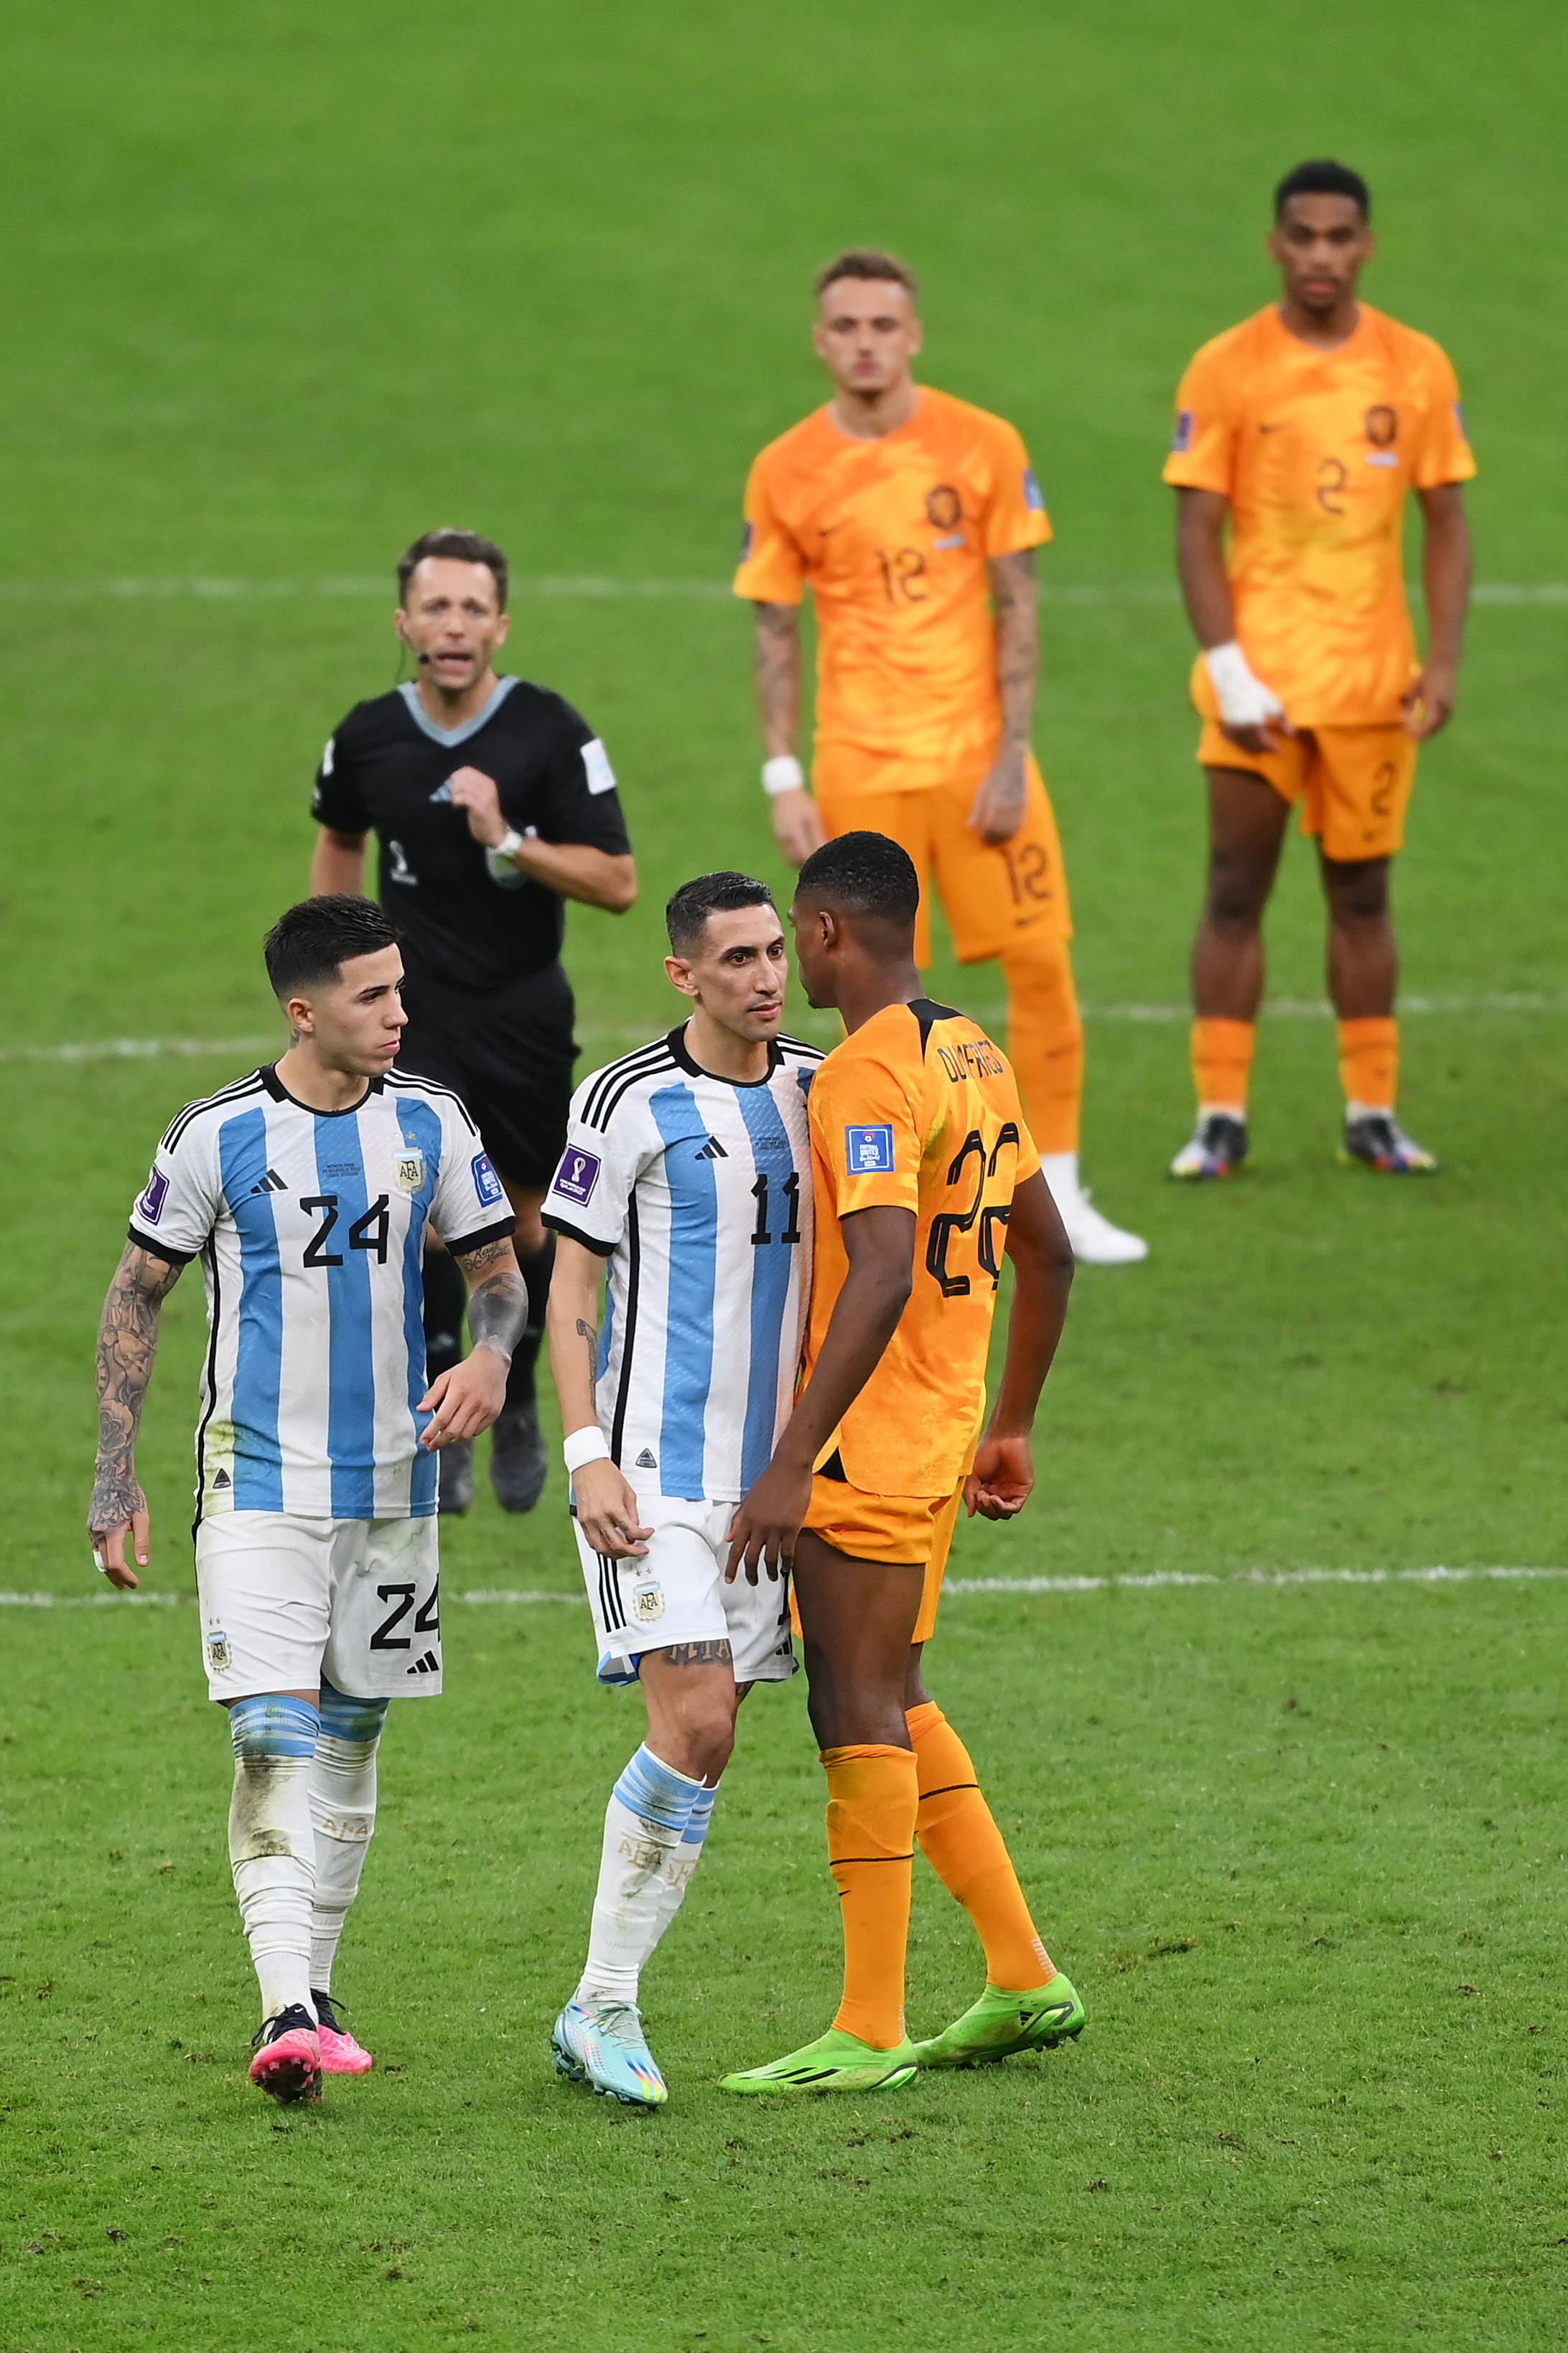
{"points": [[1017, 649], [590, 1338], [777, 671], [127, 1344], [498, 1295]]}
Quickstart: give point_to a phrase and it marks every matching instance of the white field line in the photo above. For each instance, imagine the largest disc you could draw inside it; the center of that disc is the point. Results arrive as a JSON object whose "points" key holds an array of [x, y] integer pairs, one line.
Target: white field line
{"points": [[215, 588], [1279, 1009], [1159, 1579]]}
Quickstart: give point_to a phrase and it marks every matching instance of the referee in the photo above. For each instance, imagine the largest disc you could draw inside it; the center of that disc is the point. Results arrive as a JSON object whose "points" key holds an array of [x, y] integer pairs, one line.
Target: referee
{"points": [[491, 801]]}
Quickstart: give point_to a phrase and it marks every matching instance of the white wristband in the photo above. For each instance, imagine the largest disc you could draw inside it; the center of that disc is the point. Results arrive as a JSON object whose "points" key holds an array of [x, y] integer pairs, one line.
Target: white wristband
{"points": [[1243, 699], [499, 859], [783, 774], [585, 1446]]}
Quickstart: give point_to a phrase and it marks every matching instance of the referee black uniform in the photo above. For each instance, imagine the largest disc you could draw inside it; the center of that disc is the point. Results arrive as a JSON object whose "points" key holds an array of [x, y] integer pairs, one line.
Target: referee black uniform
{"points": [[490, 1006]]}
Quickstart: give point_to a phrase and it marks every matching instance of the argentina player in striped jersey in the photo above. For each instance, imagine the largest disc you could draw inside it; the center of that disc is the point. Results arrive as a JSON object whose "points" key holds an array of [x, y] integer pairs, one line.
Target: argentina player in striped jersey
{"points": [[305, 1190], [688, 1169]]}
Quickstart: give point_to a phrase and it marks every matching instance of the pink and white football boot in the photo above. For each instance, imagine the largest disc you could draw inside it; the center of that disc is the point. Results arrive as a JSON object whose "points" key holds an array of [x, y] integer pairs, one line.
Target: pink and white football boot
{"points": [[287, 2062], [340, 2055]]}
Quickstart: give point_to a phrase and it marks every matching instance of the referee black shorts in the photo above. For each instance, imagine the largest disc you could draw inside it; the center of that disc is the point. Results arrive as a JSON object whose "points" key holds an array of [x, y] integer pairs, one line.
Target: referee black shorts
{"points": [[508, 1053]]}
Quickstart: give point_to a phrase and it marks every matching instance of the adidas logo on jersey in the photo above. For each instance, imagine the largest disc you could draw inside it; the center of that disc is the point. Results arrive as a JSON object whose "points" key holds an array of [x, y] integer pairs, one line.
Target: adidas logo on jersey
{"points": [[270, 1183], [712, 1150], [648, 1461], [427, 1665]]}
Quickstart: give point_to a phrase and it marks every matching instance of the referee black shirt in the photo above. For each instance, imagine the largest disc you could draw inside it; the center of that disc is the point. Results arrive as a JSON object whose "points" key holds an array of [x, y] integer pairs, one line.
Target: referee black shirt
{"points": [[385, 771]]}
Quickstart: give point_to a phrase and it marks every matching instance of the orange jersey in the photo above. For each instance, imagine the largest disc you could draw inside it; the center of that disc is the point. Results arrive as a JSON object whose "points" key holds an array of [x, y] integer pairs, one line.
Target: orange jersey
{"points": [[1315, 451], [892, 538], [918, 1111]]}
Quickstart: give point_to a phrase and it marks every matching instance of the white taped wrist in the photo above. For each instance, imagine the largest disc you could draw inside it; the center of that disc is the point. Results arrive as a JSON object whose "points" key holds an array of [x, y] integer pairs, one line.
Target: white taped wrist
{"points": [[1243, 699], [585, 1446], [500, 860], [784, 774]]}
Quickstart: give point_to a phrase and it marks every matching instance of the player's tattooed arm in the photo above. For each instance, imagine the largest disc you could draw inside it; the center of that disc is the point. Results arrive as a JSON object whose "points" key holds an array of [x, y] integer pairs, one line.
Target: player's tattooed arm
{"points": [[127, 1344], [468, 1398], [497, 1296], [1000, 803], [589, 1334]]}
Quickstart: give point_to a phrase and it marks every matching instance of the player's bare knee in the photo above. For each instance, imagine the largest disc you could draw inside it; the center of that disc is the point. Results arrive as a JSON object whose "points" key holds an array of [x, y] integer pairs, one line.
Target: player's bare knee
{"points": [[1237, 894]]}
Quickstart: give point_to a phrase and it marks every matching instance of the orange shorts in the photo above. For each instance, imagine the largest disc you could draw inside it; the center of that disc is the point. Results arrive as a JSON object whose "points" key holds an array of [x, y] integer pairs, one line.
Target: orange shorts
{"points": [[1353, 782], [895, 1530], [992, 896]]}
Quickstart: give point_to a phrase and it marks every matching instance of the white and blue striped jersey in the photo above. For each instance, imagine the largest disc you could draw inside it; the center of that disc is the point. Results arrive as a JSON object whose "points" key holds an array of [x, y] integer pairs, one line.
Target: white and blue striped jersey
{"points": [[698, 1191], [309, 1227]]}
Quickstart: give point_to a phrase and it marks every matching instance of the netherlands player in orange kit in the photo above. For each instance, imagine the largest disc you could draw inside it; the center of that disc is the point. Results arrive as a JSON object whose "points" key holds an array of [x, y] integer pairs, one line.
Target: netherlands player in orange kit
{"points": [[908, 514], [1303, 429], [923, 1173]]}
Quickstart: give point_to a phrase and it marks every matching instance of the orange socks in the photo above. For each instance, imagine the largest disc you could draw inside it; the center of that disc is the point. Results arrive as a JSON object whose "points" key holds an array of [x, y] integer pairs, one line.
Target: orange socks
{"points": [[1045, 1041], [964, 1846], [1369, 1062], [1222, 1062], [873, 1800]]}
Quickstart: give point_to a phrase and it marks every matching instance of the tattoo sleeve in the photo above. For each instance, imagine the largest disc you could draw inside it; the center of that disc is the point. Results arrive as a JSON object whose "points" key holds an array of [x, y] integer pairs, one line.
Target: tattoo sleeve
{"points": [[127, 1344], [498, 1295]]}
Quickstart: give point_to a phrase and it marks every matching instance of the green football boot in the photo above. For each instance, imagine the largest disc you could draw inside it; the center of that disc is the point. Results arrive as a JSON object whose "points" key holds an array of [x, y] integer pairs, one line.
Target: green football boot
{"points": [[1000, 2023], [835, 2061]]}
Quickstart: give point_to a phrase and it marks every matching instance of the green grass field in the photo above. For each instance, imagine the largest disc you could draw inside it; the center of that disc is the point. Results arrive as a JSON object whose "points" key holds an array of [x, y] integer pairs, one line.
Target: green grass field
{"points": [[283, 288]]}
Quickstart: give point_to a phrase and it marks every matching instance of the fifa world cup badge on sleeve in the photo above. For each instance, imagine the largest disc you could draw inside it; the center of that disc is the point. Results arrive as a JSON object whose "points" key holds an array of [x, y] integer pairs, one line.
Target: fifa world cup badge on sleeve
{"points": [[576, 1177], [868, 1151], [149, 1207], [487, 1184]]}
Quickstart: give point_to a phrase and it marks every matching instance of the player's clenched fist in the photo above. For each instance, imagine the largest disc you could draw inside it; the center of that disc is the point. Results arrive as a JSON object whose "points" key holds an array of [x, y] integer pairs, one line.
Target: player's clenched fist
{"points": [[1002, 1480]]}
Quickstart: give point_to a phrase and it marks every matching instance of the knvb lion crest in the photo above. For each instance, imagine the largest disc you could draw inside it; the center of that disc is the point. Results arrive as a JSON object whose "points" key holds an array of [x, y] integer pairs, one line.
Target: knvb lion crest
{"points": [[1382, 426], [945, 508]]}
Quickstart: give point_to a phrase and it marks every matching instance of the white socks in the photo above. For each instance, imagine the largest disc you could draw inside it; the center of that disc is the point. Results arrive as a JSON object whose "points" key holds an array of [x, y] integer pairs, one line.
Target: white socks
{"points": [[1059, 1170], [271, 1842], [643, 1872], [343, 1814]]}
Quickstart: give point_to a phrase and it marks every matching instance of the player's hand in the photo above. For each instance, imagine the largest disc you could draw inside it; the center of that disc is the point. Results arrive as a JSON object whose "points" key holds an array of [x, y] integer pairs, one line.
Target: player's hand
{"points": [[1429, 704], [608, 1511], [1267, 739], [1000, 804], [797, 826], [466, 1399], [119, 1509], [479, 796], [999, 1483], [765, 1525]]}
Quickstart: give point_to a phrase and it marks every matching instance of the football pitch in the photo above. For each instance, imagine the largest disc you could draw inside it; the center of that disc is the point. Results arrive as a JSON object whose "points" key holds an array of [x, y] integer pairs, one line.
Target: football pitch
{"points": [[286, 286]]}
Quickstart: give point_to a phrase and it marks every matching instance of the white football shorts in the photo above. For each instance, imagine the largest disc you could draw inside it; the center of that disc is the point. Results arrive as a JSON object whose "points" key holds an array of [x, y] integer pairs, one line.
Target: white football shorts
{"points": [[677, 1593], [285, 1601]]}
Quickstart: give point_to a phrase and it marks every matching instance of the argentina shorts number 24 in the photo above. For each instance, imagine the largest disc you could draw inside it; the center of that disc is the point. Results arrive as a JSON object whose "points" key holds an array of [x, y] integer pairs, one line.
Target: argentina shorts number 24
{"points": [[287, 1601]]}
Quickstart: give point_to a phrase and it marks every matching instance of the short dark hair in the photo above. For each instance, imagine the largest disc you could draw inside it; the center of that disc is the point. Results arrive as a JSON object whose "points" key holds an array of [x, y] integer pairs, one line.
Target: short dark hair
{"points": [[866, 262], [686, 916], [1323, 178], [457, 547], [313, 941], [863, 874]]}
